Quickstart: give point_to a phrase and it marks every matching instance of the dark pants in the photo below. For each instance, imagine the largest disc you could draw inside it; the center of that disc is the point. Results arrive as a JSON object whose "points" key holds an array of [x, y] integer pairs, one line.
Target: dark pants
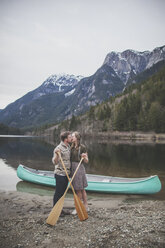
{"points": [[61, 185]]}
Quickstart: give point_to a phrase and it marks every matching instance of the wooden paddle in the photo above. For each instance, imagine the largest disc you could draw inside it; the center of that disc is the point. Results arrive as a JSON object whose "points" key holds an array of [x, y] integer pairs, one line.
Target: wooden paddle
{"points": [[80, 208], [56, 211]]}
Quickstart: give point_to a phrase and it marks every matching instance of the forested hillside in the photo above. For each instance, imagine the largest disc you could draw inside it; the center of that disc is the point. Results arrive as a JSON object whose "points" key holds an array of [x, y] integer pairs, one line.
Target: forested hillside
{"points": [[141, 107], [5, 130], [61, 96]]}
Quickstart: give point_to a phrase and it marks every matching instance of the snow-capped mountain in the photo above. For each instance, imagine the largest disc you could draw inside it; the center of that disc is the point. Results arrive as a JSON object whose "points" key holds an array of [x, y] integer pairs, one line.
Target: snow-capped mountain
{"points": [[130, 63], [97, 88], [27, 109], [57, 83], [61, 96], [62, 81]]}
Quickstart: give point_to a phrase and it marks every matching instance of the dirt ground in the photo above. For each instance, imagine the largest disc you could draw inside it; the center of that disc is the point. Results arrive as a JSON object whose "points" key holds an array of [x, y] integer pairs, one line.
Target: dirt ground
{"points": [[113, 222]]}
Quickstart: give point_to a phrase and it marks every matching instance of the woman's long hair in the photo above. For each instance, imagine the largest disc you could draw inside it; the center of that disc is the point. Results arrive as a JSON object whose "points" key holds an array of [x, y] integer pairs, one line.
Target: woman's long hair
{"points": [[78, 137]]}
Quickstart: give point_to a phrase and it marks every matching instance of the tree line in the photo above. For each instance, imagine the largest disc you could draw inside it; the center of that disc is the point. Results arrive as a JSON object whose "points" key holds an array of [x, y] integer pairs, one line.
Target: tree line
{"points": [[6, 130], [140, 108]]}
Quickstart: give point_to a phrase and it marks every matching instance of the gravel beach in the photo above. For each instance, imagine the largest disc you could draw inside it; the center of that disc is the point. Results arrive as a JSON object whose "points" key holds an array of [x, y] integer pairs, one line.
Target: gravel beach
{"points": [[113, 222]]}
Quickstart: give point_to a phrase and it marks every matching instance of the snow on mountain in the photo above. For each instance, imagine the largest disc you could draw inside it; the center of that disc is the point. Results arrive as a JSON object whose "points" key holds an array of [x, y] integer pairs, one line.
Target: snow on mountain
{"points": [[57, 83], [70, 92], [62, 80], [62, 95], [129, 63]]}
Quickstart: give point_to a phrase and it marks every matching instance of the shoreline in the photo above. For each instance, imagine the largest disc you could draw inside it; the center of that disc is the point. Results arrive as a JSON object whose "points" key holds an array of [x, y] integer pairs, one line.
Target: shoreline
{"points": [[113, 222], [129, 136], [114, 136], [109, 136]]}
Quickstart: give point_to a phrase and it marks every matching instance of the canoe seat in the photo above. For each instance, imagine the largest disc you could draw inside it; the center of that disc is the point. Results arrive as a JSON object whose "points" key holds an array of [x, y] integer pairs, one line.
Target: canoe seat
{"points": [[106, 180]]}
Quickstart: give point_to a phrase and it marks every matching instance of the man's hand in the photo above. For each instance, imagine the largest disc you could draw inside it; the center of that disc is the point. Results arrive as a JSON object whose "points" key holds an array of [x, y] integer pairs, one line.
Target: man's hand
{"points": [[57, 151], [56, 156]]}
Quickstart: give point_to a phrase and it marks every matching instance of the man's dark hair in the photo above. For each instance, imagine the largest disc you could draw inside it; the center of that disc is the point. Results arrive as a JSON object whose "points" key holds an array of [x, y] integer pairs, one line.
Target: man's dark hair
{"points": [[64, 135]]}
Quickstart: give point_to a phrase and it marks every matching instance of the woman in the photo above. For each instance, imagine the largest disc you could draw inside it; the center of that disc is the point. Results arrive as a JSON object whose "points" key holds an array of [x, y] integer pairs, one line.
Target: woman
{"points": [[80, 181]]}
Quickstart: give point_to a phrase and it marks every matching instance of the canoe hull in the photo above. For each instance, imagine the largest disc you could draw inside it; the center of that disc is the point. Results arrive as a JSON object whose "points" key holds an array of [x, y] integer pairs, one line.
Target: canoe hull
{"points": [[149, 185], [29, 176]]}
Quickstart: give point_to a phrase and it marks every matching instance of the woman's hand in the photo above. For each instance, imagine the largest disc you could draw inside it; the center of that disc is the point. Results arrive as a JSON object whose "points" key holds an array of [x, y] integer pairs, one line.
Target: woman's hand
{"points": [[85, 157]]}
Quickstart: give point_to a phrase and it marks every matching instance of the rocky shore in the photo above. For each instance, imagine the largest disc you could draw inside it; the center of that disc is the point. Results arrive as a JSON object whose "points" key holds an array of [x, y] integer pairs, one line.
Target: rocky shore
{"points": [[121, 221]]}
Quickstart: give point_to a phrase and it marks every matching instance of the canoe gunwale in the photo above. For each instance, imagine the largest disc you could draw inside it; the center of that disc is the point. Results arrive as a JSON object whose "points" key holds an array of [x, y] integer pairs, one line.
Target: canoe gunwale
{"points": [[32, 171], [148, 185]]}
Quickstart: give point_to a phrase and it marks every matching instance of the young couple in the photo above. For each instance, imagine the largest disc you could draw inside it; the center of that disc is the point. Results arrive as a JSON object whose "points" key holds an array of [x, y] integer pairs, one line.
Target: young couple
{"points": [[71, 151]]}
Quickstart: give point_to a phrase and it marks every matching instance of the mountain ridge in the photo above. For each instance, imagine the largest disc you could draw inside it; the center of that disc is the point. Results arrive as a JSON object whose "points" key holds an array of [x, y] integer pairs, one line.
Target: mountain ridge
{"points": [[131, 61], [140, 108], [61, 96]]}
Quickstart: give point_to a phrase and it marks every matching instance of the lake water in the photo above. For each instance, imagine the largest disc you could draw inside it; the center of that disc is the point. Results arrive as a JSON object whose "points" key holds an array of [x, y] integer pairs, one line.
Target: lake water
{"points": [[113, 158]]}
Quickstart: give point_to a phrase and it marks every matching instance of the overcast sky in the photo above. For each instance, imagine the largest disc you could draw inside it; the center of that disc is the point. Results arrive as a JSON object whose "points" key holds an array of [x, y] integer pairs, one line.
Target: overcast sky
{"points": [[39, 38]]}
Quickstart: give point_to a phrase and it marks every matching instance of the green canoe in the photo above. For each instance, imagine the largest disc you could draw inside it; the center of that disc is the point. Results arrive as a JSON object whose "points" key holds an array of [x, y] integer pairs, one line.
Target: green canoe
{"points": [[105, 184]]}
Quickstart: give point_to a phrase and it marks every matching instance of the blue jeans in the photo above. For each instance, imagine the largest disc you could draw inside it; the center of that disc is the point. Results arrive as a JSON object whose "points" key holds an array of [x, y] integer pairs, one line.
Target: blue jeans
{"points": [[61, 185]]}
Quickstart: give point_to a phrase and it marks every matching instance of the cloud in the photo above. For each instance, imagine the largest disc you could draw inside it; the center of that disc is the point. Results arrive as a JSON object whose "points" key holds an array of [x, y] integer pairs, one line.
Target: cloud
{"points": [[40, 38]]}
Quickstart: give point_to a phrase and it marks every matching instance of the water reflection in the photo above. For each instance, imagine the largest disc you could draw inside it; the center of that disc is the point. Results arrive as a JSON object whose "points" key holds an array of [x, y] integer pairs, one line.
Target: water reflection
{"points": [[34, 188], [8, 177], [126, 159], [115, 159], [28, 151]]}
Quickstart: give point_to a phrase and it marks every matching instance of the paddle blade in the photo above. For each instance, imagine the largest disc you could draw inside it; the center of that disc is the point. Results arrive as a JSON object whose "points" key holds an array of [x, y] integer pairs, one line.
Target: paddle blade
{"points": [[80, 208], [55, 212]]}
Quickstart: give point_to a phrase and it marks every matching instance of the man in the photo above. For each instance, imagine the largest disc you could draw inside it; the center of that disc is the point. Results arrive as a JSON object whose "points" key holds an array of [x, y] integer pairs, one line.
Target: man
{"points": [[60, 176]]}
